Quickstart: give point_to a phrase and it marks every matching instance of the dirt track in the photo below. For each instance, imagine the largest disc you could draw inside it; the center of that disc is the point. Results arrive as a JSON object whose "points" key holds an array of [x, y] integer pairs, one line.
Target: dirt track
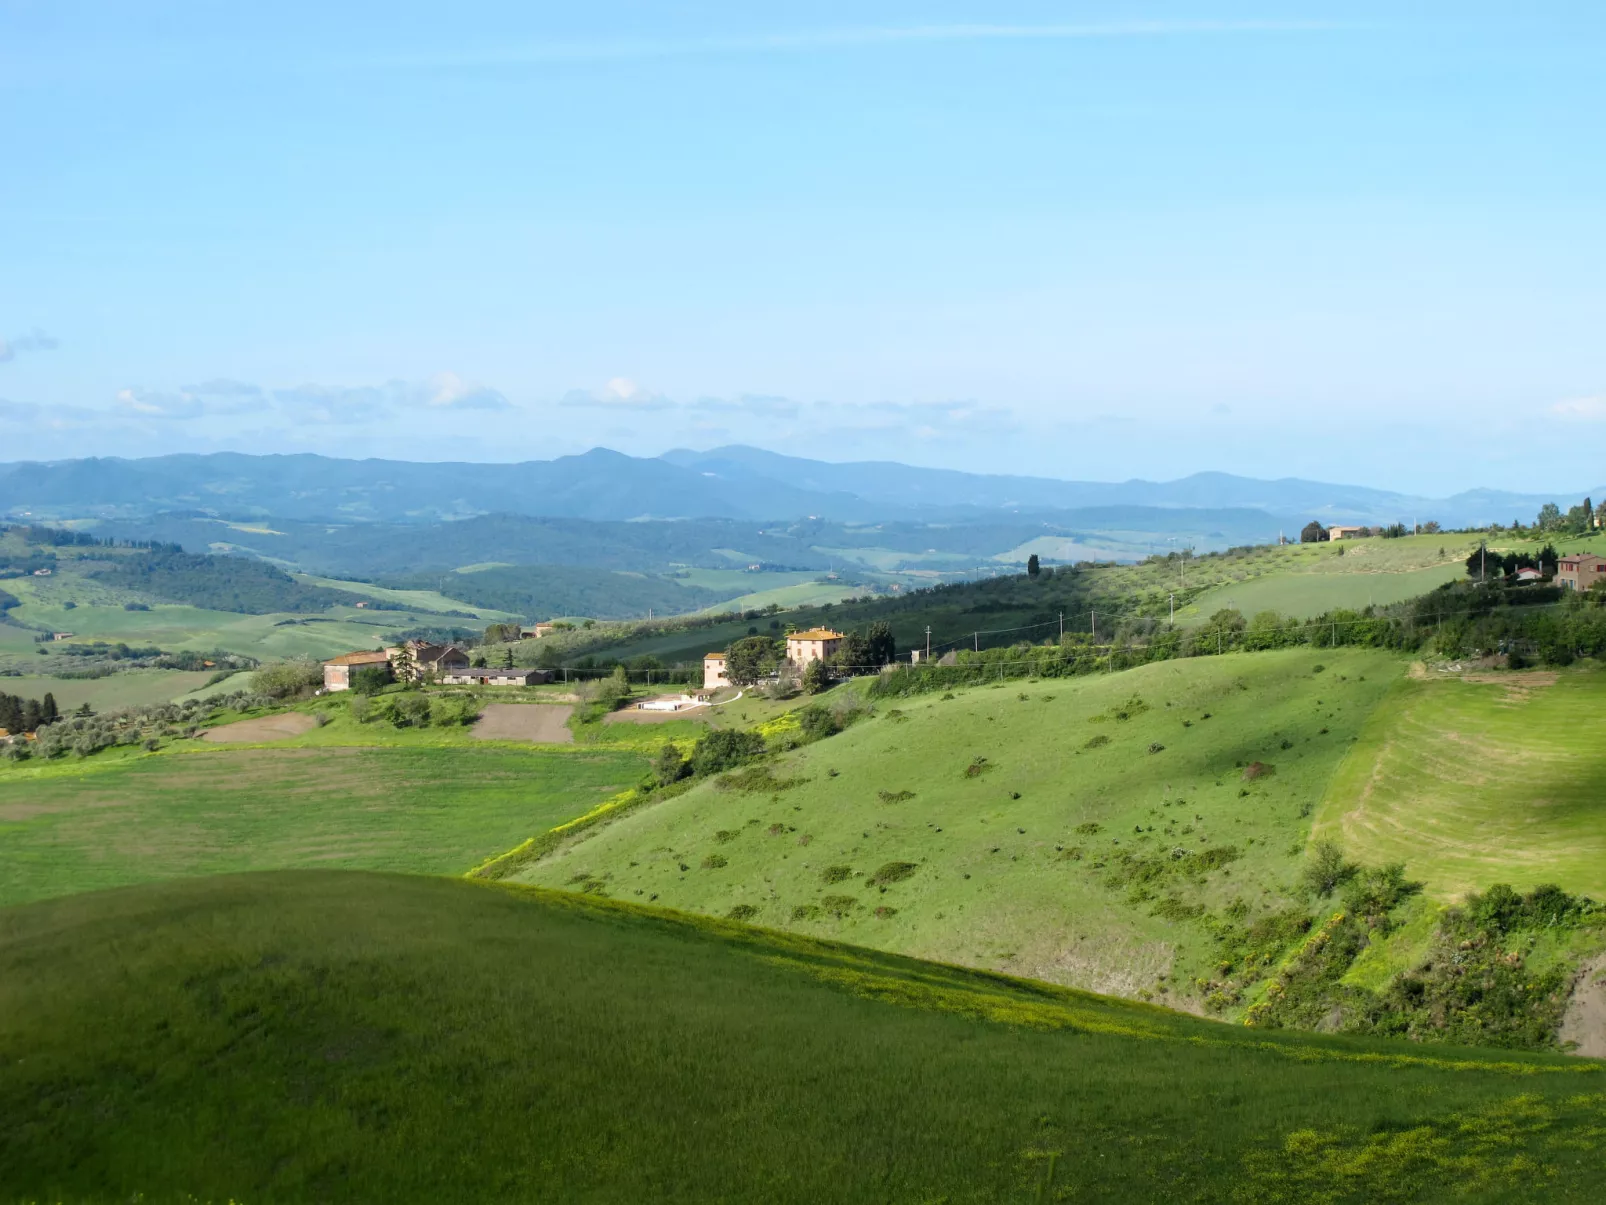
{"points": [[1585, 1022], [538, 723]]}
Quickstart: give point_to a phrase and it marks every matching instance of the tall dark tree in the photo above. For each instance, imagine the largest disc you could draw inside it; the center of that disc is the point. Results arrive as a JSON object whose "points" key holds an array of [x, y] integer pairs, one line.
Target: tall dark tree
{"points": [[47, 709], [751, 658], [883, 649], [1312, 533], [1033, 565]]}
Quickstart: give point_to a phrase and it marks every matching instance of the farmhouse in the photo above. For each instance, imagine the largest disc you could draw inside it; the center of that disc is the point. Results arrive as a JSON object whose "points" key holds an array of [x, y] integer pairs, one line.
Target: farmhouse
{"points": [[1580, 571], [535, 633], [817, 644], [337, 671], [496, 677], [1528, 574], [1342, 532], [714, 671], [436, 659]]}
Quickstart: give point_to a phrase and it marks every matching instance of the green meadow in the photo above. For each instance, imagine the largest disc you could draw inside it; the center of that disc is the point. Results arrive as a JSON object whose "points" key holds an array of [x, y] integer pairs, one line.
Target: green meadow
{"points": [[1003, 806], [125, 817], [345, 1037], [127, 688], [1477, 778]]}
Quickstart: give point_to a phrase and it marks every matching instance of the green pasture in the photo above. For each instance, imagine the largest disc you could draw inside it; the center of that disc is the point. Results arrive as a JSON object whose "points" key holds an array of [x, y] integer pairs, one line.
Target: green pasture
{"points": [[1304, 595], [1476, 779], [1007, 871], [329, 1037], [175, 627], [421, 600], [128, 688], [121, 818]]}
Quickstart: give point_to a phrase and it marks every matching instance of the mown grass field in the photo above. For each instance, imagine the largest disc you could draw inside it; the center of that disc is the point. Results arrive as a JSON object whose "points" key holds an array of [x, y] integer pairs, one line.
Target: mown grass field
{"points": [[1005, 865], [122, 817], [336, 1037], [1304, 595], [1478, 779]]}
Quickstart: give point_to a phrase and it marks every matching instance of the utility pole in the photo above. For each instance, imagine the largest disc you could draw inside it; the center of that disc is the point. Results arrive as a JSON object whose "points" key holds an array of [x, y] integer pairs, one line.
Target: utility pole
{"points": [[928, 642], [1093, 618], [1173, 610], [976, 638], [1062, 627]]}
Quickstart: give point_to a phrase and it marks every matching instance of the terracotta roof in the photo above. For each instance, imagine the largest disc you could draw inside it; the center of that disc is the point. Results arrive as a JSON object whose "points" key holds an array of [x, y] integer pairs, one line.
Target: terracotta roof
{"points": [[369, 658], [816, 634], [713, 656]]}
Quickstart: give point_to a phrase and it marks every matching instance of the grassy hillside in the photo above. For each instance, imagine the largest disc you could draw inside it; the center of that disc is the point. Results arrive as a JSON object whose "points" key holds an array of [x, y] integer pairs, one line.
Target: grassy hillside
{"points": [[342, 1037], [126, 818], [1475, 778], [1010, 866]]}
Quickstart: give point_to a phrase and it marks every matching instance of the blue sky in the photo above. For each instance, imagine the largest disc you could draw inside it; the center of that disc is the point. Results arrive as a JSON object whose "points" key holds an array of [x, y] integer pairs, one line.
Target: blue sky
{"points": [[1361, 242]]}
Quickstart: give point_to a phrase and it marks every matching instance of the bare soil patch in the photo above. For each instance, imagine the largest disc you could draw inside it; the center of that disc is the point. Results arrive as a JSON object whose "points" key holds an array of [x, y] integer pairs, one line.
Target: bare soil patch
{"points": [[268, 728], [538, 723], [1585, 1021]]}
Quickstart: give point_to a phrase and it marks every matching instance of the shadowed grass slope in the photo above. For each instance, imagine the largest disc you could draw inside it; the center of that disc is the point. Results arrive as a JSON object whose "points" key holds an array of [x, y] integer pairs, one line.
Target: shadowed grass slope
{"points": [[319, 1036]]}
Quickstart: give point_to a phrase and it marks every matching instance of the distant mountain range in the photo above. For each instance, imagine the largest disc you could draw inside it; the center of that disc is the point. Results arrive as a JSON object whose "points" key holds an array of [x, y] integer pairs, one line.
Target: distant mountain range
{"points": [[741, 483]]}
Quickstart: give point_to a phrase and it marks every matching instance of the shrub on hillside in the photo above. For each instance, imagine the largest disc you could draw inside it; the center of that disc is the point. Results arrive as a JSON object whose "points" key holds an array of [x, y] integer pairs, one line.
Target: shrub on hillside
{"points": [[724, 749], [370, 679], [288, 679], [1327, 869], [669, 766]]}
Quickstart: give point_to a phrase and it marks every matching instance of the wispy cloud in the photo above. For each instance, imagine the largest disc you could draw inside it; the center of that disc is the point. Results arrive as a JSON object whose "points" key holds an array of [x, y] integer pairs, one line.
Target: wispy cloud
{"points": [[1586, 408], [827, 39], [344, 405], [620, 393], [35, 340]]}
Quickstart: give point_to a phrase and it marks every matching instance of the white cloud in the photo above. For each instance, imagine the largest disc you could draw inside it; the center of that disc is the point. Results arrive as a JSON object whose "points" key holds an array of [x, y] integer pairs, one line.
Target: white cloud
{"points": [[448, 391], [1585, 408]]}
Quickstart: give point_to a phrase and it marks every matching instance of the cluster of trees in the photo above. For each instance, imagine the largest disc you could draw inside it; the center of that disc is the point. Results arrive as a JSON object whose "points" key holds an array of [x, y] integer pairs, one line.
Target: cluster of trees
{"points": [[1483, 563], [1577, 521], [536, 591], [1315, 532], [18, 714], [414, 709], [218, 583], [85, 733]]}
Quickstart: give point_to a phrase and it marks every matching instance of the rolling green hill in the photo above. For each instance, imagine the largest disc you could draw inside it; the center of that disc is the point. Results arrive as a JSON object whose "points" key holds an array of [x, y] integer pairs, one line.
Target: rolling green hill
{"points": [[335, 1037], [1008, 864]]}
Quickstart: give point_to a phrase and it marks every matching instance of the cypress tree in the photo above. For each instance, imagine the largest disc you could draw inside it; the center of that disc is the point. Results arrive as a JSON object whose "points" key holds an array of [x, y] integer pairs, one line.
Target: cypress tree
{"points": [[47, 709]]}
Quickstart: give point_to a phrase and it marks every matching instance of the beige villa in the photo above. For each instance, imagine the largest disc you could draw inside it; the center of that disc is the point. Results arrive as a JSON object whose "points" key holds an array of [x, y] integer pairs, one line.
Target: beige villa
{"points": [[816, 644]]}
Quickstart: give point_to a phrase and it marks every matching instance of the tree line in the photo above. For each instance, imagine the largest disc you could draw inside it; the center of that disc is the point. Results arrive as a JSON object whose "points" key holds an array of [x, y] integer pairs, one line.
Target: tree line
{"points": [[18, 714]]}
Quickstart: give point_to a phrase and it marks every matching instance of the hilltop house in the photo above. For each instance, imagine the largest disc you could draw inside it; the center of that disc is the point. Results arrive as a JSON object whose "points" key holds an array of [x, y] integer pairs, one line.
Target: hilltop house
{"points": [[817, 644], [1342, 532], [337, 671], [1580, 571], [536, 632], [714, 671]]}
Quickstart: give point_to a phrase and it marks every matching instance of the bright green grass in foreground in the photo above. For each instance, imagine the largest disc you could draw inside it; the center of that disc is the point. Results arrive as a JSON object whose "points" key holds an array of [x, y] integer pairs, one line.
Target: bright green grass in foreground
{"points": [[1007, 868], [356, 1038], [133, 819], [1469, 782]]}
